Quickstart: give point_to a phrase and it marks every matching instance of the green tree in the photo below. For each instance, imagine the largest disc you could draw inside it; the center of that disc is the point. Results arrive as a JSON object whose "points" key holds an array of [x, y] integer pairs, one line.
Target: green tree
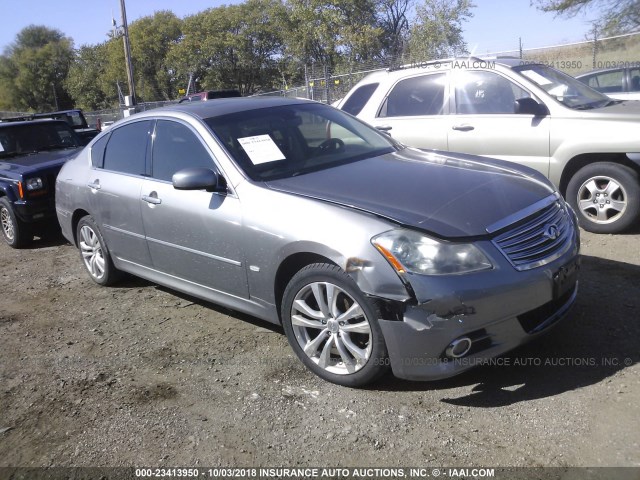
{"points": [[83, 81], [151, 39], [327, 32], [437, 31], [237, 46], [618, 16], [394, 17], [33, 69]]}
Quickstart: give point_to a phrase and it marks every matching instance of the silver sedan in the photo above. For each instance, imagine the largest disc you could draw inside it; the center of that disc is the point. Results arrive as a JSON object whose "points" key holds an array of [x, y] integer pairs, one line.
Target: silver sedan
{"points": [[370, 254]]}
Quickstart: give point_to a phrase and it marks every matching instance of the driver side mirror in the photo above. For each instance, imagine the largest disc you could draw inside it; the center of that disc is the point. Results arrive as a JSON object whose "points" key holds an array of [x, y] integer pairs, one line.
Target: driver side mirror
{"points": [[198, 179], [528, 106]]}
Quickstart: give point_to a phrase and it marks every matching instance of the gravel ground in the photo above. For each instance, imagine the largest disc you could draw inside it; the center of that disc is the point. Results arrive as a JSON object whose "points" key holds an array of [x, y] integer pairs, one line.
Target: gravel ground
{"points": [[138, 375]]}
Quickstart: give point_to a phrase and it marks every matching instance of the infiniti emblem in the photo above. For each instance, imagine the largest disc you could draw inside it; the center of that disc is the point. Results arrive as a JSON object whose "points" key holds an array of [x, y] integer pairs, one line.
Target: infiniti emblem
{"points": [[551, 232]]}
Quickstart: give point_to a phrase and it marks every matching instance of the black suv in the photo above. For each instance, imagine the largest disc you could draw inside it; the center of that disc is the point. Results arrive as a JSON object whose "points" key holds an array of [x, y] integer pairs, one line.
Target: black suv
{"points": [[31, 155], [75, 118]]}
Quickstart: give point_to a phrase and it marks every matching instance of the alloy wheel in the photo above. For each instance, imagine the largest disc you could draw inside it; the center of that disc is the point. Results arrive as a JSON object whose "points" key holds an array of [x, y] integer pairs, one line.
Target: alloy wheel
{"points": [[7, 224], [92, 254], [602, 199], [331, 328]]}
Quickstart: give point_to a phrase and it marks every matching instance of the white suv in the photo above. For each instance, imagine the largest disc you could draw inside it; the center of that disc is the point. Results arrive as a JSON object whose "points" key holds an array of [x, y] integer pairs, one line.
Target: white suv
{"points": [[531, 114]]}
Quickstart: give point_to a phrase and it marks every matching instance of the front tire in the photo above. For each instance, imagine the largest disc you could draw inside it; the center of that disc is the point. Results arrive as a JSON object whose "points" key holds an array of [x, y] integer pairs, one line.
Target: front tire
{"points": [[94, 253], [16, 234], [333, 327], [605, 196]]}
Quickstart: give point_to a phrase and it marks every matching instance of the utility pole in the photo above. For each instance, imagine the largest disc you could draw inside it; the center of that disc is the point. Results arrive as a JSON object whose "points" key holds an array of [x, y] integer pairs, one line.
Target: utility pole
{"points": [[594, 31], [520, 42], [127, 53]]}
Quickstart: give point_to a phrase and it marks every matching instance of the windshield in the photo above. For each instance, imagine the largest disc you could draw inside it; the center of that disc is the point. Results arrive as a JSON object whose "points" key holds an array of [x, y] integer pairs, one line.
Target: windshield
{"points": [[291, 140], [35, 137], [564, 88]]}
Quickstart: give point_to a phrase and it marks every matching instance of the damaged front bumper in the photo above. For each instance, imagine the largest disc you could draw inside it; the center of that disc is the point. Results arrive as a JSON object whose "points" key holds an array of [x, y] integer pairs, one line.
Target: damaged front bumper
{"points": [[461, 321]]}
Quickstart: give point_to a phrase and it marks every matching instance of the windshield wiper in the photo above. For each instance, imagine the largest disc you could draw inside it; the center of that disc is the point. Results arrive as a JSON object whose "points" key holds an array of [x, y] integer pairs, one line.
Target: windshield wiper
{"points": [[585, 106], [590, 106]]}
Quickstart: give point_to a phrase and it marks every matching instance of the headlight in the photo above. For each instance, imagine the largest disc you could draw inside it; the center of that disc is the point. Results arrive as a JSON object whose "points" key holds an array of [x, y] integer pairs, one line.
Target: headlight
{"points": [[34, 184], [410, 251]]}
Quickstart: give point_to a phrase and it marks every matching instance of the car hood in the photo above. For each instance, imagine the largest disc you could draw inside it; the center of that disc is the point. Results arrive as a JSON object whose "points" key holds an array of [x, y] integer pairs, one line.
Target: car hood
{"points": [[27, 163], [624, 110], [449, 195]]}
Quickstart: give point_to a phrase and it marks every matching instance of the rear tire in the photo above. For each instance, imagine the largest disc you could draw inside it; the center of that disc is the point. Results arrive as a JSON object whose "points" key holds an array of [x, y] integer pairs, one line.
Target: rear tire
{"points": [[605, 196], [94, 253], [333, 327], [16, 233]]}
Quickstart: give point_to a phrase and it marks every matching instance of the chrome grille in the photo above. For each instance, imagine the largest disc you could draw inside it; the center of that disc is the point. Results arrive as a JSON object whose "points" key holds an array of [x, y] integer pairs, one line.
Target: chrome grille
{"points": [[538, 239]]}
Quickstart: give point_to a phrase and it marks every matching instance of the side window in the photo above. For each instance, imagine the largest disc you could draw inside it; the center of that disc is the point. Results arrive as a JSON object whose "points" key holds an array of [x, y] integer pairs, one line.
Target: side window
{"points": [[358, 99], [97, 152], [423, 95], [127, 147], [609, 82], [479, 92], [176, 147], [634, 78]]}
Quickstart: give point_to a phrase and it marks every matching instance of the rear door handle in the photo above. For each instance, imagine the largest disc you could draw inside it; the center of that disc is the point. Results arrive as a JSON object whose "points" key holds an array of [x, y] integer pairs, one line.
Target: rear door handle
{"points": [[463, 128], [152, 198], [384, 128], [95, 185]]}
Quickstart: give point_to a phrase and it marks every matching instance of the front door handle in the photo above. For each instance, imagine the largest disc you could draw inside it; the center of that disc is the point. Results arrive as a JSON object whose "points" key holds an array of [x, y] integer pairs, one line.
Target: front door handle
{"points": [[95, 185], [384, 128], [152, 198], [465, 127]]}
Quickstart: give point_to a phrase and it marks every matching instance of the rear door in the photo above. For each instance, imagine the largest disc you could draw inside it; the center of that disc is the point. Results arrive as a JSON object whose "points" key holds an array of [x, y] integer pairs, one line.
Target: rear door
{"points": [[114, 191]]}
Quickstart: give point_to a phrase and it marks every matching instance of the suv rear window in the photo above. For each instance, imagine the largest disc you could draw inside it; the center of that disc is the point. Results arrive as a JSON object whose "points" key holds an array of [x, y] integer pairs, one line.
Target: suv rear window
{"points": [[356, 102]]}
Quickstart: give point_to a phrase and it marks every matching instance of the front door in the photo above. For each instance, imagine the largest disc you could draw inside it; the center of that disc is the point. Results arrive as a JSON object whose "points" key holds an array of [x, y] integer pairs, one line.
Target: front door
{"points": [[192, 235], [485, 123]]}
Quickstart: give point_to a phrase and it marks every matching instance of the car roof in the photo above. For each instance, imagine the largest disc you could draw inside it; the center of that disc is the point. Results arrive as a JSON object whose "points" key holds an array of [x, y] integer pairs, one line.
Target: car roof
{"points": [[224, 106], [30, 122], [600, 70]]}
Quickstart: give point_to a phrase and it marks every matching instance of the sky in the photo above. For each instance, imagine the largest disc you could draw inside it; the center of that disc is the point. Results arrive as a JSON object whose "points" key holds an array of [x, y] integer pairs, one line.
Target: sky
{"points": [[495, 26]]}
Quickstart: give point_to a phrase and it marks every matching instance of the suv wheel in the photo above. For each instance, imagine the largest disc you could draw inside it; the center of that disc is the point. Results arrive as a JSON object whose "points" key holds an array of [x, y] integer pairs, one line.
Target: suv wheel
{"points": [[333, 327], [605, 196], [16, 233]]}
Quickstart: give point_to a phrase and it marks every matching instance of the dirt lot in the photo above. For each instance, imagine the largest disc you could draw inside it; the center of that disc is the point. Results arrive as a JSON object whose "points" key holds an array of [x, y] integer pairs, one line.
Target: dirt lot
{"points": [[140, 376]]}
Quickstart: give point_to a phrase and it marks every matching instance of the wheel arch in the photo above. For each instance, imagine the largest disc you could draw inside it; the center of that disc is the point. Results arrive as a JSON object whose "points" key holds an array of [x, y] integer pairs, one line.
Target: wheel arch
{"points": [[584, 159], [75, 219], [289, 267], [7, 191]]}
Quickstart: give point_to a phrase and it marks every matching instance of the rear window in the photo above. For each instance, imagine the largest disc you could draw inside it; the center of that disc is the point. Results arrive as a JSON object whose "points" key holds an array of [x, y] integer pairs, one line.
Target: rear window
{"points": [[358, 99], [97, 151], [127, 148]]}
